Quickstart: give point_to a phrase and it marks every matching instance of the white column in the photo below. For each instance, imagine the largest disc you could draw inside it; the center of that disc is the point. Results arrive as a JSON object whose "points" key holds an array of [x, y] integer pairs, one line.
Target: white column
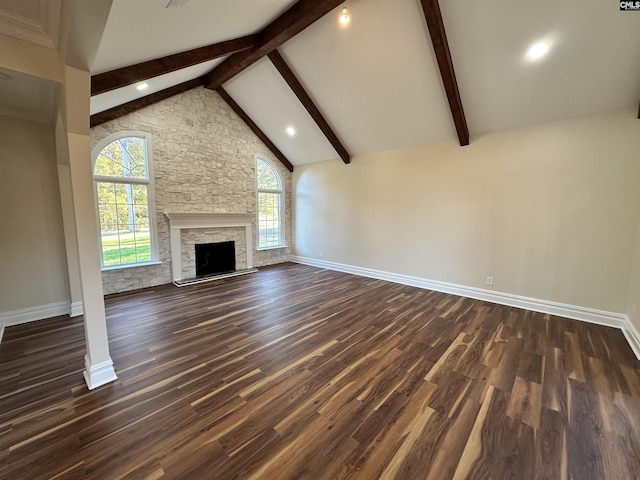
{"points": [[99, 366]]}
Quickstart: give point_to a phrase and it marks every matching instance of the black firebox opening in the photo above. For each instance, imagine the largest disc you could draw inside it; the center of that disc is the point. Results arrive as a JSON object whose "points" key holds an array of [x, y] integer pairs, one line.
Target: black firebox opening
{"points": [[215, 258]]}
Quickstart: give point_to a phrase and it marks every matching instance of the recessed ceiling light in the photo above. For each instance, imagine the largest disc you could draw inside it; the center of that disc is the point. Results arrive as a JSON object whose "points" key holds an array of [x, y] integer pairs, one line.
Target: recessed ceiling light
{"points": [[291, 131], [344, 16], [537, 51], [142, 86]]}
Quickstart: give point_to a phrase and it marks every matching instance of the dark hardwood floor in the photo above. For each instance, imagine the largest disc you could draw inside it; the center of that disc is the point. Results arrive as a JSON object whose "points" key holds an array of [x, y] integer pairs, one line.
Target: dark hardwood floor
{"points": [[296, 372]]}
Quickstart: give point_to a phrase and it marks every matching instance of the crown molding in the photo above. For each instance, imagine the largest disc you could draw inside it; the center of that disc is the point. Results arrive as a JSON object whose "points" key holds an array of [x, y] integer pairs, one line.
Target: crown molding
{"points": [[43, 30]]}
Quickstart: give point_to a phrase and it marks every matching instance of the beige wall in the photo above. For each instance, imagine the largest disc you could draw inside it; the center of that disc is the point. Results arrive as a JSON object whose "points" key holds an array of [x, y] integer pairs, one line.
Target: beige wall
{"points": [[549, 211], [204, 161], [633, 304], [33, 269]]}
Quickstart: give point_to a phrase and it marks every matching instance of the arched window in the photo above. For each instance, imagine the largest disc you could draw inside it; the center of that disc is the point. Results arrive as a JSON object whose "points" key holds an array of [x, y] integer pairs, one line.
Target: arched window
{"points": [[123, 180], [270, 206]]}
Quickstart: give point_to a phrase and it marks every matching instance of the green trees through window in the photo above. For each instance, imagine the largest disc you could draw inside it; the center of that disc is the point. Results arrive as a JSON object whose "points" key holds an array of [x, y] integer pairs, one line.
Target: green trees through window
{"points": [[123, 187], [270, 207]]}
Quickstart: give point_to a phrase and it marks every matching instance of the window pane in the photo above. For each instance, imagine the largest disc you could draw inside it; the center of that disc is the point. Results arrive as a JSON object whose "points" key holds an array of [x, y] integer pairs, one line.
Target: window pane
{"points": [[124, 224], [125, 158], [139, 193], [110, 248], [123, 207], [267, 176], [143, 249], [142, 218], [269, 225], [269, 205]]}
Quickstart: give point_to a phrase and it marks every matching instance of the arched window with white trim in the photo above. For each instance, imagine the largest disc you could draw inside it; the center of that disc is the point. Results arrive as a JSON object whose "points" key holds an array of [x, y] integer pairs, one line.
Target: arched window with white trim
{"points": [[270, 206], [123, 181]]}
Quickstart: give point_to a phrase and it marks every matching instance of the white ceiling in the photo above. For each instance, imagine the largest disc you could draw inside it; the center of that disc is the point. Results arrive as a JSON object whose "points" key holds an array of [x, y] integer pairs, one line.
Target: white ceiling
{"points": [[591, 66], [377, 81], [145, 29], [261, 93]]}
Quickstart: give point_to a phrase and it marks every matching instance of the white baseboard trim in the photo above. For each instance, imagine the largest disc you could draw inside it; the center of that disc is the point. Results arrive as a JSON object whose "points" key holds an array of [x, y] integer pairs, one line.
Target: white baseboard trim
{"points": [[98, 374], [76, 309], [39, 312], [632, 335], [31, 314], [600, 317]]}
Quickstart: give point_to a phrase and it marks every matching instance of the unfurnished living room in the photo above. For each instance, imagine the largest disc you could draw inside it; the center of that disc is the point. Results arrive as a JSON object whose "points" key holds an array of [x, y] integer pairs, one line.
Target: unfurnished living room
{"points": [[319, 239]]}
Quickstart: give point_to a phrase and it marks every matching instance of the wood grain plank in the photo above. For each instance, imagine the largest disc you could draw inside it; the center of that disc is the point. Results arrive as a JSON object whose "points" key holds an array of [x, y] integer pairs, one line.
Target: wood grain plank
{"points": [[585, 458]]}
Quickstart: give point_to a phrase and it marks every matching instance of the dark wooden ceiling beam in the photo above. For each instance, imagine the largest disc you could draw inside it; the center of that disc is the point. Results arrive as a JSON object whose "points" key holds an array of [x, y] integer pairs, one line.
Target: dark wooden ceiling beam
{"points": [[121, 77], [137, 104], [302, 14], [254, 128], [307, 102], [433, 16]]}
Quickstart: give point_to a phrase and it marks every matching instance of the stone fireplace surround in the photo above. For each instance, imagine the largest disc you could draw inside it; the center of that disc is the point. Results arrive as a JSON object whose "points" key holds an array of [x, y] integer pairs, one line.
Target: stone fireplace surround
{"points": [[183, 221]]}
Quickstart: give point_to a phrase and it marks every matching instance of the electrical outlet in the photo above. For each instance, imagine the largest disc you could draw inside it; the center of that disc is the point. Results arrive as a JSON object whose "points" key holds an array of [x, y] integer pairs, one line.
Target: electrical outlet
{"points": [[321, 254], [489, 280]]}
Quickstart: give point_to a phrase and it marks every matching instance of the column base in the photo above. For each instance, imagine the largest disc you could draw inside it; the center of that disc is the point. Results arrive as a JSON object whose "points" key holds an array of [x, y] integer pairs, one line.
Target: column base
{"points": [[76, 309], [98, 374]]}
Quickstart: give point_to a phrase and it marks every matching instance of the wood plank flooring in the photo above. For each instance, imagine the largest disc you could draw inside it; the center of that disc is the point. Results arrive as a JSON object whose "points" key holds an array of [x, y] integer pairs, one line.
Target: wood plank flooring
{"points": [[296, 372]]}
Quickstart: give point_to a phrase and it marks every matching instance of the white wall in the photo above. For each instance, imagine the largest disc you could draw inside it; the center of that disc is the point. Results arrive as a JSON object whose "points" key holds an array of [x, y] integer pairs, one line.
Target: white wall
{"points": [[33, 269], [549, 211]]}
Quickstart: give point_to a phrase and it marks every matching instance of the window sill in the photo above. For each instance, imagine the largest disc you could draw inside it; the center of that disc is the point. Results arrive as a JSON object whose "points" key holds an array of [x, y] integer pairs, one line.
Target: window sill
{"points": [[130, 265], [271, 248]]}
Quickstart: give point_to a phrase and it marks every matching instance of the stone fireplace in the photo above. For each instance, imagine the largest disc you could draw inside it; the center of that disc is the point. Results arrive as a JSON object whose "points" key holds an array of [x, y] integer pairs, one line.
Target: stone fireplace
{"points": [[188, 229]]}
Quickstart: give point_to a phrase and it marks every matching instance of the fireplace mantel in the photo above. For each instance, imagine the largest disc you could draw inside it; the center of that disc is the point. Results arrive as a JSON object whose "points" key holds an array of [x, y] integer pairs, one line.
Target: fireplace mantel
{"points": [[182, 221]]}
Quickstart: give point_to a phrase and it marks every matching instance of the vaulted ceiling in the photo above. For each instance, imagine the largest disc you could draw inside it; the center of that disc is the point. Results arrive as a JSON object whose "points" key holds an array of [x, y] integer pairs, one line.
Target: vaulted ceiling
{"points": [[379, 82]]}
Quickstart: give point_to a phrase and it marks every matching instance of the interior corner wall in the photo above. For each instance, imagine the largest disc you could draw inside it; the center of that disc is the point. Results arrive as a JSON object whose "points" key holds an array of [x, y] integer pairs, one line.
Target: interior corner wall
{"points": [[33, 270], [204, 159], [549, 211], [633, 303]]}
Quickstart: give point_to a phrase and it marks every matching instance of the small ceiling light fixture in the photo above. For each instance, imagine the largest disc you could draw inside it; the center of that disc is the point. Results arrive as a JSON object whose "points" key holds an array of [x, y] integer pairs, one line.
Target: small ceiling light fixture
{"points": [[142, 86], [176, 3], [344, 16], [291, 131], [537, 51]]}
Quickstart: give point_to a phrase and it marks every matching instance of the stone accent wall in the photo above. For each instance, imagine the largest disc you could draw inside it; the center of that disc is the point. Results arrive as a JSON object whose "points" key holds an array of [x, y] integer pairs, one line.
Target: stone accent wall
{"points": [[193, 236], [204, 160]]}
